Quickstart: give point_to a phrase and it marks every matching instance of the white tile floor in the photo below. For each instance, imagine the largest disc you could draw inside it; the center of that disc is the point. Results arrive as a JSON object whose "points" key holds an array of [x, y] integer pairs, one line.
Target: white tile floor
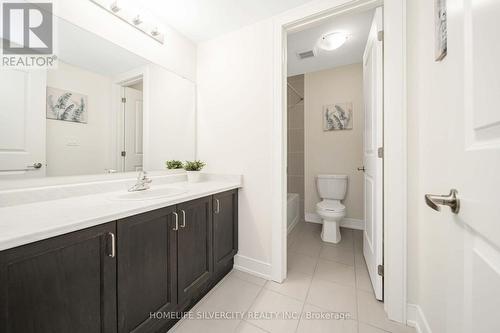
{"points": [[322, 279]]}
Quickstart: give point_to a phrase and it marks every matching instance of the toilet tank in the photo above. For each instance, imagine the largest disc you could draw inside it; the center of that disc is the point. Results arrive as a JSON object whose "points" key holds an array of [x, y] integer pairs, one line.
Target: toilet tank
{"points": [[332, 187]]}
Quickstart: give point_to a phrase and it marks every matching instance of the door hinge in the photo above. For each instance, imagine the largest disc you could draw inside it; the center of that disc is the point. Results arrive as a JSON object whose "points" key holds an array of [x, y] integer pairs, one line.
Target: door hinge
{"points": [[380, 270], [124, 100], [380, 36], [124, 153], [381, 152]]}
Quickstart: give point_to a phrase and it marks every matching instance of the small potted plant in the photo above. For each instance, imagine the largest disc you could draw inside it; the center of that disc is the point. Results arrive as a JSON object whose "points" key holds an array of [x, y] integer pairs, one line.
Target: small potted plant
{"points": [[193, 169], [174, 164]]}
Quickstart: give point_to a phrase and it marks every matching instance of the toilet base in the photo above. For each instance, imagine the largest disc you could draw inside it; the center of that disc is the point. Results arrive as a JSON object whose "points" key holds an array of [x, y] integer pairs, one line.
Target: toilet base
{"points": [[331, 232]]}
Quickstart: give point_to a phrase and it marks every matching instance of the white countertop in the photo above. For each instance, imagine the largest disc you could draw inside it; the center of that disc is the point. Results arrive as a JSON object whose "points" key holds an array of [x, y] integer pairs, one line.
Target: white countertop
{"points": [[25, 223]]}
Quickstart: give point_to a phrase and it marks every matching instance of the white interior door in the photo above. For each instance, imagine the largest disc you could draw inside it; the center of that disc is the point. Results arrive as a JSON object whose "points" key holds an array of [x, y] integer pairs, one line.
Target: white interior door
{"points": [[133, 130], [22, 121], [460, 149], [373, 140]]}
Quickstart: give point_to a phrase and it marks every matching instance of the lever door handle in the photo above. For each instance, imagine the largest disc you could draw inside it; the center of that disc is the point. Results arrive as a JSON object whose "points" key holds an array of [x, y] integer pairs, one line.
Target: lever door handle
{"points": [[362, 168], [451, 200]]}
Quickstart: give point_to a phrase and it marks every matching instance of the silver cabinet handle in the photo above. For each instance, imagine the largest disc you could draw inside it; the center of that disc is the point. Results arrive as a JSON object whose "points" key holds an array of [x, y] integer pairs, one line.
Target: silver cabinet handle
{"points": [[217, 206], [113, 245], [183, 225], [451, 200], [176, 221]]}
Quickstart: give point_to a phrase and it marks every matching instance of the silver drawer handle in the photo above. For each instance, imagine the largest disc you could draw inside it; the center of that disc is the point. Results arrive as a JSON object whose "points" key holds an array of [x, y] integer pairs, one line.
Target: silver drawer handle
{"points": [[183, 225], [113, 245], [176, 221], [451, 200], [217, 206]]}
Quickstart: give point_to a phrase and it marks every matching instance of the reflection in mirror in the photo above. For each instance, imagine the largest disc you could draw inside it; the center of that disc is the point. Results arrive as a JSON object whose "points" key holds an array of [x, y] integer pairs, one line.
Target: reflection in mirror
{"points": [[102, 109]]}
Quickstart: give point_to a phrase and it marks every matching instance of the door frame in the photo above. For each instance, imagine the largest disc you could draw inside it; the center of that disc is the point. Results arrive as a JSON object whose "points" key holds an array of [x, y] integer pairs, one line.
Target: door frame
{"points": [[395, 139], [119, 82]]}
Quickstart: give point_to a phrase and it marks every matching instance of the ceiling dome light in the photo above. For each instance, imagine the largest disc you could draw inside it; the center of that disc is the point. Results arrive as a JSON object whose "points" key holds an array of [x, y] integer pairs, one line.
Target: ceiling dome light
{"points": [[332, 41]]}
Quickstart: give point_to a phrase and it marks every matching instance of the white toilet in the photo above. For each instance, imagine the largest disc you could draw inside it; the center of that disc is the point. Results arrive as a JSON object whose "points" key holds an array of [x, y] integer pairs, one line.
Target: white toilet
{"points": [[331, 189]]}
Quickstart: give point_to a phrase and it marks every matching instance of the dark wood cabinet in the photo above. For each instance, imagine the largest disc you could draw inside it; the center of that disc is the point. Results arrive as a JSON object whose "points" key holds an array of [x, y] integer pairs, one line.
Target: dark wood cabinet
{"points": [[225, 230], [120, 277], [194, 248], [63, 284], [147, 267]]}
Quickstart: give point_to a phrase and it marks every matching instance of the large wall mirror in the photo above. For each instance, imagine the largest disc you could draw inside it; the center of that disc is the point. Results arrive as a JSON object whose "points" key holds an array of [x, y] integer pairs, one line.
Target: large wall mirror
{"points": [[102, 109]]}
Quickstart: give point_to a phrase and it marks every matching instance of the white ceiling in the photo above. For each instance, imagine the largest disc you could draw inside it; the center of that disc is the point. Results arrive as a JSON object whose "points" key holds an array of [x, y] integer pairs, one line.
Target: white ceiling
{"points": [[201, 20], [357, 25]]}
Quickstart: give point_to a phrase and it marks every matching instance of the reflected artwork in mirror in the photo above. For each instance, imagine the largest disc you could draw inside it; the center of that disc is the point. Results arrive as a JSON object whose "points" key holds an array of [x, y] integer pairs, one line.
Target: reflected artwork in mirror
{"points": [[94, 112]]}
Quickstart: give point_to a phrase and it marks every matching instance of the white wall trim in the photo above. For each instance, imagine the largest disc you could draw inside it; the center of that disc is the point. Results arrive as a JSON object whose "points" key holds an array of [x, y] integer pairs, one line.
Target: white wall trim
{"points": [[347, 222], [395, 161], [350, 223], [416, 318], [252, 266], [395, 131], [312, 218]]}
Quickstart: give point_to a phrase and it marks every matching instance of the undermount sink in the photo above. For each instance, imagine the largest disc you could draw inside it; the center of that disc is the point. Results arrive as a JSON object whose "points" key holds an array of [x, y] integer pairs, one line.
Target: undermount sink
{"points": [[150, 194]]}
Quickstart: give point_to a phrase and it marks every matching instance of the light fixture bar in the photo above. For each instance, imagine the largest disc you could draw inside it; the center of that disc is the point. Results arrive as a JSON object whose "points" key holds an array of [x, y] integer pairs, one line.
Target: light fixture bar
{"points": [[134, 19]]}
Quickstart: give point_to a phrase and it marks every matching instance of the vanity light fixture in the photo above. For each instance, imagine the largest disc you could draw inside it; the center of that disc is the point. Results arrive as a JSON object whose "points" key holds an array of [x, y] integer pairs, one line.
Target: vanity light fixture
{"points": [[333, 40], [139, 19], [114, 7]]}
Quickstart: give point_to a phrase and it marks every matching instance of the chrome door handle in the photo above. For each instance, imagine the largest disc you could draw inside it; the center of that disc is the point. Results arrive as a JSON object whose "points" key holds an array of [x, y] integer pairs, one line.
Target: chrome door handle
{"points": [[35, 166], [362, 168], [183, 225], [176, 221], [113, 245], [217, 207], [451, 200]]}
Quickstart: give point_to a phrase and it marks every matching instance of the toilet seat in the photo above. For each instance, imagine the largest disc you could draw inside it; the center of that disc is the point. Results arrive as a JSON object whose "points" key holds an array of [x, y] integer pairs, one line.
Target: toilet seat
{"points": [[330, 206]]}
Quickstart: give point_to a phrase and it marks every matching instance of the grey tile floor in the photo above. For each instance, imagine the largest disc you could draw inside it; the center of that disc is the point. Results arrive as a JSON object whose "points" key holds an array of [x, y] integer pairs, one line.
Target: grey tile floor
{"points": [[323, 279]]}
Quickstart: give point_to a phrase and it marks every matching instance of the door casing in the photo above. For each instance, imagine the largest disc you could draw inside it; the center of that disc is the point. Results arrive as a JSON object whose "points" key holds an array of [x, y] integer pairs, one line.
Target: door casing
{"points": [[395, 139]]}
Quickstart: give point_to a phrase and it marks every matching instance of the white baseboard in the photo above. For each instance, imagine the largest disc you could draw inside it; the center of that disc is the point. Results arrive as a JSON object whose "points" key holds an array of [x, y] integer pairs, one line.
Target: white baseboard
{"points": [[313, 218], [252, 266], [416, 318], [347, 222]]}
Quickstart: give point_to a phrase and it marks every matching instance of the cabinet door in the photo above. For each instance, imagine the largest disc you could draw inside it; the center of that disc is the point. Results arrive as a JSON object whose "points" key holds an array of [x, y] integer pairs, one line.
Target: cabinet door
{"points": [[147, 260], [195, 261], [63, 284], [225, 229]]}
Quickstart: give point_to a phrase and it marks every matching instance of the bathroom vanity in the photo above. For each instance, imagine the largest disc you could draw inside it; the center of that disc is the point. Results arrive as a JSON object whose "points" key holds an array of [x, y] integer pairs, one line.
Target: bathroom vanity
{"points": [[78, 252], [132, 273]]}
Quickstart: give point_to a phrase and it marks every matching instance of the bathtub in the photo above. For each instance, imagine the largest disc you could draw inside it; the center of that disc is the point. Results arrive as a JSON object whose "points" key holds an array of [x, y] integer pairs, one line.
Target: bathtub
{"points": [[292, 211]]}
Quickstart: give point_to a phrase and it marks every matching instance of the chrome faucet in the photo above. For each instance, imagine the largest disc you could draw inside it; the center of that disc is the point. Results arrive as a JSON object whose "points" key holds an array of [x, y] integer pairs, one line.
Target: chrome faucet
{"points": [[143, 182]]}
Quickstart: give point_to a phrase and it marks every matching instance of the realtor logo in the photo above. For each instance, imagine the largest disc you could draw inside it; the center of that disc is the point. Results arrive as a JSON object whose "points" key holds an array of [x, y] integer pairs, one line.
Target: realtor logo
{"points": [[27, 28]]}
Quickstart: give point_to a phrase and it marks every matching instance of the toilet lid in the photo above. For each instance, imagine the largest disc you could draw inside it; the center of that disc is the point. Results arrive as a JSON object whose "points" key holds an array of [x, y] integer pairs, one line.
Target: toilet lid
{"points": [[331, 206]]}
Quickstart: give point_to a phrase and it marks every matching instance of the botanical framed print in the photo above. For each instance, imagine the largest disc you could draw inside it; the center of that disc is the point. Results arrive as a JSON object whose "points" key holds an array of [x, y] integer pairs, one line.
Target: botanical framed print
{"points": [[337, 117], [441, 34], [66, 105]]}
